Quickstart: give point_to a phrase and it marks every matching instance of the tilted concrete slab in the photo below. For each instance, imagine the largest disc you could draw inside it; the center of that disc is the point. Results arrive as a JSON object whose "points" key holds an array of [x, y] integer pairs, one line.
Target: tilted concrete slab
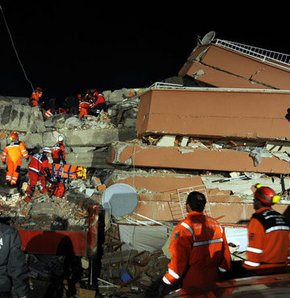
{"points": [[219, 78], [221, 67], [215, 112], [194, 159]]}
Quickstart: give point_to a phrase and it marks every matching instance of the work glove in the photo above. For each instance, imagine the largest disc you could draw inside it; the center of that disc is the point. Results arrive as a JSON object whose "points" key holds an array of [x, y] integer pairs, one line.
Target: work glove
{"points": [[164, 289]]}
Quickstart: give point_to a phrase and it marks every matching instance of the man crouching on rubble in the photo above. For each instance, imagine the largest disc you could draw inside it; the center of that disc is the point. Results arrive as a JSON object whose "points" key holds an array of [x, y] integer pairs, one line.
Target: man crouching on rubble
{"points": [[37, 169], [13, 269], [198, 248]]}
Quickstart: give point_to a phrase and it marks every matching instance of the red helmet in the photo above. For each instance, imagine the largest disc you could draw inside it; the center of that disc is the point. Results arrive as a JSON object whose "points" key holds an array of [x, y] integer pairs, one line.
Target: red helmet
{"points": [[14, 136], [266, 195]]}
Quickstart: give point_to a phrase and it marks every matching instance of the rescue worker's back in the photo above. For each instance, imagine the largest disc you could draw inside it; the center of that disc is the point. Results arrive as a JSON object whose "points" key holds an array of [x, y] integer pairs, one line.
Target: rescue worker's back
{"points": [[199, 250]]}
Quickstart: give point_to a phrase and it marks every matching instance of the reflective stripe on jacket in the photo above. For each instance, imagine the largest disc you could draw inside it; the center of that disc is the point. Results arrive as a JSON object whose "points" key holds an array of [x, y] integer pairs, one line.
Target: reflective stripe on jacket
{"points": [[48, 114], [269, 240], [199, 249], [84, 108], [38, 163]]}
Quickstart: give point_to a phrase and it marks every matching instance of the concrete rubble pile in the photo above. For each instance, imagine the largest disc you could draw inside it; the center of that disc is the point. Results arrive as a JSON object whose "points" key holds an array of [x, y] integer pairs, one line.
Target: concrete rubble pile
{"points": [[215, 128], [86, 140]]}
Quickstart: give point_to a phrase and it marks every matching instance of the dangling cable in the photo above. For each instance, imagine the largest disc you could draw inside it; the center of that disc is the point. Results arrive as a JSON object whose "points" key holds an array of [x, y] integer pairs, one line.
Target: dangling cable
{"points": [[11, 39]]}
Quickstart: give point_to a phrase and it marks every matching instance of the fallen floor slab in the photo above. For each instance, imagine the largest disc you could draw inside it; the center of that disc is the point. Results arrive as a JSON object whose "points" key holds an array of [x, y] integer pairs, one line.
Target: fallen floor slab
{"points": [[214, 112], [194, 159], [162, 195]]}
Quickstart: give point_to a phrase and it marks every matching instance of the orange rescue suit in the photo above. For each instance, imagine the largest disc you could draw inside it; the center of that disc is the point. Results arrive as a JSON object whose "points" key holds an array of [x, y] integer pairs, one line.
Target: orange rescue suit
{"points": [[84, 108], [199, 249], [35, 98], [269, 242], [12, 154]]}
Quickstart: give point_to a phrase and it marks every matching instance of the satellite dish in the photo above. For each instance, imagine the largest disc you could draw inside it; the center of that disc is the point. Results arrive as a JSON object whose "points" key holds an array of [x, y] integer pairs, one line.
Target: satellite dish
{"points": [[120, 199], [207, 39]]}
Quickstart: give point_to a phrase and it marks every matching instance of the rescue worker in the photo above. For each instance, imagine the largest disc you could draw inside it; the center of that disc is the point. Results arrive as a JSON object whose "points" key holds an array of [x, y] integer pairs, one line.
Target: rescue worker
{"points": [[98, 104], [268, 250], [199, 250], [58, 152], [11, 155], [37, 170], [34, 99], [84, 106], [13, 269]]}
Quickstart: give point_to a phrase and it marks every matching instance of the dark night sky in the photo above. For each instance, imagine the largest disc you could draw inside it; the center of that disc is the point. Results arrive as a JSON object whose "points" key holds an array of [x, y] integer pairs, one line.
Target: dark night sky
{"points": [[67, 48]]}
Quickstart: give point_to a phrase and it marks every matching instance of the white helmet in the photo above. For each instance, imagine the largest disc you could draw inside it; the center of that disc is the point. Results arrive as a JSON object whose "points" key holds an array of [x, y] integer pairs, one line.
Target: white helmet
{"points": [[46, 150], [60, 138]]}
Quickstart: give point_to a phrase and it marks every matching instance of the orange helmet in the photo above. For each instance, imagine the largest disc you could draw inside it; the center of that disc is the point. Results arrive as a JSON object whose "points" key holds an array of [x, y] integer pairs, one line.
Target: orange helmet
{"points": [[266, 195], [14, 136]]}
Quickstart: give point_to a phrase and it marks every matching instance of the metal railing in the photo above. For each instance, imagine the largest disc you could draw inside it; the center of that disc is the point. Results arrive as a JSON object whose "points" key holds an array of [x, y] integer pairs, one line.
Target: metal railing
{"points": [[260, 53]]}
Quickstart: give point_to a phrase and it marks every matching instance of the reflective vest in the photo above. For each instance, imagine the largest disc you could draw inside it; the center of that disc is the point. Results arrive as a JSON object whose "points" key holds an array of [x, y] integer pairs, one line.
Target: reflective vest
{"points": [[48, 114], [39, 162], [84, 108], [35, 98], [58, 151], [199, 249], [14, 151], [269, 241]]}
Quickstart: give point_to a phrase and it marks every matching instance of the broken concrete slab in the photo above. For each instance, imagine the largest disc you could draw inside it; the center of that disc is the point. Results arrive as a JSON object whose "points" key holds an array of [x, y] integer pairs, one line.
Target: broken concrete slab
{"points": [[15, 100], [136, 154], [154, 181], [214, 112], [83, 137], [162, 194], [21, 118], [96, 158]]}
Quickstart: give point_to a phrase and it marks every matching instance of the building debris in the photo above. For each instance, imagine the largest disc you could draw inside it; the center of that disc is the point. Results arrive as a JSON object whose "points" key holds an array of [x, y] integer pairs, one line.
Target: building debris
{"points": [[224, 131]]}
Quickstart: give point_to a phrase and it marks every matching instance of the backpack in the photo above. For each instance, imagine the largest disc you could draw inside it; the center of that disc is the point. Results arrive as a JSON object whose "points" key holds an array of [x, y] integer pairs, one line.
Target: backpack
{"points": [[58, 190]]}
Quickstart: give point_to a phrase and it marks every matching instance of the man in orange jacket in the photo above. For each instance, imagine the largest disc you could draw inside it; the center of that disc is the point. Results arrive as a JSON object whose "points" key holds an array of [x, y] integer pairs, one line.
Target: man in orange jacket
{"points": [[34, 99], [268, 250], [11, 155], [199, 250], [84, 106]]}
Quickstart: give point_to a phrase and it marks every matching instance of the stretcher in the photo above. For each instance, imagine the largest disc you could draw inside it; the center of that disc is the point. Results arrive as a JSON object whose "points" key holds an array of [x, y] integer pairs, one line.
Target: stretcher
{"points": [[68, 172]]}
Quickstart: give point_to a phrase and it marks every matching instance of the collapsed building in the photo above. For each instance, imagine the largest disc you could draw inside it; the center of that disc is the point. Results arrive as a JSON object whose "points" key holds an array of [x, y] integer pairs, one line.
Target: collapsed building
{"points": [[219, 127]]}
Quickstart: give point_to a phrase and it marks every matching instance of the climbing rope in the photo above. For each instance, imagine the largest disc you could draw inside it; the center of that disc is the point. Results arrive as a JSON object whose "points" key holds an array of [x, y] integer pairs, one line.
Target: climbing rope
{"points": [[14, 48]]}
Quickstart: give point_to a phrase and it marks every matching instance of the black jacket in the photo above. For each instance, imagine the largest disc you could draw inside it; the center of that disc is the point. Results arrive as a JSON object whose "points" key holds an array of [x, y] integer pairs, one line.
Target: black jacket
{"points": [[13, 269]]}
